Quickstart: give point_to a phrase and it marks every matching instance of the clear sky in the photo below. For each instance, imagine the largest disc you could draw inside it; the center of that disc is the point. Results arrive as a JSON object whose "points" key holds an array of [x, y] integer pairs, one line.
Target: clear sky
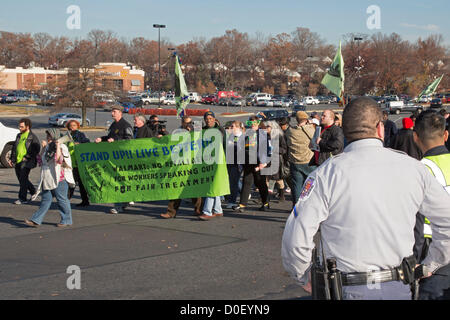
{"points": [[189, 19]]}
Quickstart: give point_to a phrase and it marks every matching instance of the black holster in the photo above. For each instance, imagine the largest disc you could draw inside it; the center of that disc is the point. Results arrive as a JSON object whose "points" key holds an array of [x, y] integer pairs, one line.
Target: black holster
{"points": [[326, 281], [319, 280]]}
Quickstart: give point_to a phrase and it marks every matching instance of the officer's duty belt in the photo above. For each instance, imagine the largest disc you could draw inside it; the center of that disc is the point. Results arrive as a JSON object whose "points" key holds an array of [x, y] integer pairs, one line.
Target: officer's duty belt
{"points": [[362, 278]]}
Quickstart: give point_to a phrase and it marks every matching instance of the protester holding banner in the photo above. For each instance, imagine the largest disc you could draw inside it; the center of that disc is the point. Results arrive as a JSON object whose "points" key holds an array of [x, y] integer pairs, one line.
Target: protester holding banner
{"points": [[120, 129], [78, 137], [212, 206], [174, 205], [56, 176]]}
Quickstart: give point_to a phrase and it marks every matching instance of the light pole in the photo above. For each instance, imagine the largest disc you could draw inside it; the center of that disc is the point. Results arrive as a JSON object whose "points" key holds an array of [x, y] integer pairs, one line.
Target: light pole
{"points": [[358, 68], [159, 26], [358, 60], [309, 57], [171, 50]]}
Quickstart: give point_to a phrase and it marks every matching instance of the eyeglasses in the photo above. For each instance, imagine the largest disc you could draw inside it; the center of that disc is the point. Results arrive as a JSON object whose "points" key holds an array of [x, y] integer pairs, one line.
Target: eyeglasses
{"points": [[253, 122]]}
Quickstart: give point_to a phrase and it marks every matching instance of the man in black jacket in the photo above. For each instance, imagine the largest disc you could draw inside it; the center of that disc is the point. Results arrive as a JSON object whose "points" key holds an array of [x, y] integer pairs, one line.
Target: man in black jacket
{"points": [[23, 158], [404, 140], [141, 129], [331, 140], [390, 129], [120, 129]]}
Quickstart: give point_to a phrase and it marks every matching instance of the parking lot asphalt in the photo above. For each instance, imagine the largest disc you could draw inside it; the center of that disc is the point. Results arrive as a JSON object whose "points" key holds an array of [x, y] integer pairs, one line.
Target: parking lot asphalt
{"points": [[138, 255]]}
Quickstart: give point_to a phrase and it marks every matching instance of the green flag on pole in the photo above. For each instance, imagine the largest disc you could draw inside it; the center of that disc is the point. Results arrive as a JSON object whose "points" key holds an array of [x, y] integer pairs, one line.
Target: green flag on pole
{"points": [[181, 92], [431, 88], [334, 79]]}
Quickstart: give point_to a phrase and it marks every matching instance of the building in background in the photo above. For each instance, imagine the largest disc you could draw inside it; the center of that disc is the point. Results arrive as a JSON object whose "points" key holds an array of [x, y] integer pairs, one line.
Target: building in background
{"points": [[118, 76]]}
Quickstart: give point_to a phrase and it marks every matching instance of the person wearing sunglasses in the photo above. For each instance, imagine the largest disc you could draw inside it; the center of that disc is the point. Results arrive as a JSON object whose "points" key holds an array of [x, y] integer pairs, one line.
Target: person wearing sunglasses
{"points": [[257, 145]]}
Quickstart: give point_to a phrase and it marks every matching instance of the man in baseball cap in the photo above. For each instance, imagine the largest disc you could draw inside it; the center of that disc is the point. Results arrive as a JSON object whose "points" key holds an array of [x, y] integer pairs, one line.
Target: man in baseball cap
{"points": [[299, 154]]}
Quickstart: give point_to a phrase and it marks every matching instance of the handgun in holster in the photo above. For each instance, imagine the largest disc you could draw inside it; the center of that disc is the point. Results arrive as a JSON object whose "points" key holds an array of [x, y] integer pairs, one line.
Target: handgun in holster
{"points": [[326, 280]]}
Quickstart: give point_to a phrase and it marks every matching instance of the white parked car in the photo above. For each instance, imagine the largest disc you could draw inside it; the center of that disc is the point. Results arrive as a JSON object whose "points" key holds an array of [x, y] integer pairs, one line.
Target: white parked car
{"points": [[169, 100], [7, 139], [150, 99], [194, 97], [424, 99], [311, 100], [262, 97], [61, 119]]}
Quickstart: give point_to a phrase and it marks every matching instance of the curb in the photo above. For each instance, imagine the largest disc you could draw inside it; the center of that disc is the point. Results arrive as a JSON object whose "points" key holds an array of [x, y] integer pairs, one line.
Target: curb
{"points": [[236, 114]]}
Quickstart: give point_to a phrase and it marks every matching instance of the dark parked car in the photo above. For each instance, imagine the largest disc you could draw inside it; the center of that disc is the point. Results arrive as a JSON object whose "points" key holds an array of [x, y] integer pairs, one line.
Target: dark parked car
{"points": [[10, 98], [276, 114], [436, 103], [297, 107]]}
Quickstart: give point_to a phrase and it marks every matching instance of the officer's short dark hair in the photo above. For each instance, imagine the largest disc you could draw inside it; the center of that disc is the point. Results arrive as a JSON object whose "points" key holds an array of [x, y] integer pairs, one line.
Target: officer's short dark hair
{"points": [[361, 118], [430, 125], [25, 121], [443, 112]]}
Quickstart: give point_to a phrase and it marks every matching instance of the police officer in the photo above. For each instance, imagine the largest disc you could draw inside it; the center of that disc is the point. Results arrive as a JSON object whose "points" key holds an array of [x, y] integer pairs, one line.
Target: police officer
{"points": [[430, 135], [365, 201]]}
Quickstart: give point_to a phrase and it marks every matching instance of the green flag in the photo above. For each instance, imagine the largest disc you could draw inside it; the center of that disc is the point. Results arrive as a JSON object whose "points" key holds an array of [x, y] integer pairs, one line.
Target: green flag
{"points": [[334, 79], [181, 92], [431, 88]]}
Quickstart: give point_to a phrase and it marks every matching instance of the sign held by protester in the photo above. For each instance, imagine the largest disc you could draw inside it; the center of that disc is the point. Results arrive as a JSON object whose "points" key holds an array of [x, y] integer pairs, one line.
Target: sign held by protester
{"points": [[178, 166]]}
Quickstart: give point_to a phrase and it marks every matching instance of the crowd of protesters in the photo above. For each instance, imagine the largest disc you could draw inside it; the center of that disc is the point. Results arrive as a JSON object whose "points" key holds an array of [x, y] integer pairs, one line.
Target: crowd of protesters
{"points": [[271, 158]]}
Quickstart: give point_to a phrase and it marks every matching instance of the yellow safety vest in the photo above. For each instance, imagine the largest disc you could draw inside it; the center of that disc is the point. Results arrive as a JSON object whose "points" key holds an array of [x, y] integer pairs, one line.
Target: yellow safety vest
{"points": [[439, 166]]}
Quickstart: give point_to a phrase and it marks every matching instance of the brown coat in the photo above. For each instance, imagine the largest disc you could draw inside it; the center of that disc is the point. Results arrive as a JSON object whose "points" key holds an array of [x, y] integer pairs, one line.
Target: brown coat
{"points": [[298, 139]]}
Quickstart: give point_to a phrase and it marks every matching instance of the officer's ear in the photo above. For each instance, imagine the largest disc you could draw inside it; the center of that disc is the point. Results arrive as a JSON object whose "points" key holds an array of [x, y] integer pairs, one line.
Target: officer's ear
{"points": [[415, 137], [380, 130], [445, 135]]}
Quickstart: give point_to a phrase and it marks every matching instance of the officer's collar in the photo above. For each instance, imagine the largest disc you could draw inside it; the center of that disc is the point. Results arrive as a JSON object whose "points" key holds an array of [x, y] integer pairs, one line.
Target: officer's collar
{"points": [[361, 143]]}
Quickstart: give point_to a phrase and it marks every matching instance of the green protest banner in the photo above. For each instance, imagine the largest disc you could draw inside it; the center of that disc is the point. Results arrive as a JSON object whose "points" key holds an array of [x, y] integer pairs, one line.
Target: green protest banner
{"points": [[179, 166]]}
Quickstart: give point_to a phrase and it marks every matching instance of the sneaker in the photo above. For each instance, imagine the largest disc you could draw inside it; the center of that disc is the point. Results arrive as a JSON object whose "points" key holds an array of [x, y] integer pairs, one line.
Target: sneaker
{"points": [[18, 202], [264, 207], [239, 208], [131, 203], [116, 210], [287, 190], [205, 217]]}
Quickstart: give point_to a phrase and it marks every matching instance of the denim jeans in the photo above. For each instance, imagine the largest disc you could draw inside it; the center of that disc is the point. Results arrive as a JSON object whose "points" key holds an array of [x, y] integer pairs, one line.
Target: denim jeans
{"points": [[60, 193], [212, 204], [234, 175], [299, 173]]}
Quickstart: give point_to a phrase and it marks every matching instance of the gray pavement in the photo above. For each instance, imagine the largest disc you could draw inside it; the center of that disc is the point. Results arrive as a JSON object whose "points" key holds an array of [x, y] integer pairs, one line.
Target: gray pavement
{"points": [[137, 255]]}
